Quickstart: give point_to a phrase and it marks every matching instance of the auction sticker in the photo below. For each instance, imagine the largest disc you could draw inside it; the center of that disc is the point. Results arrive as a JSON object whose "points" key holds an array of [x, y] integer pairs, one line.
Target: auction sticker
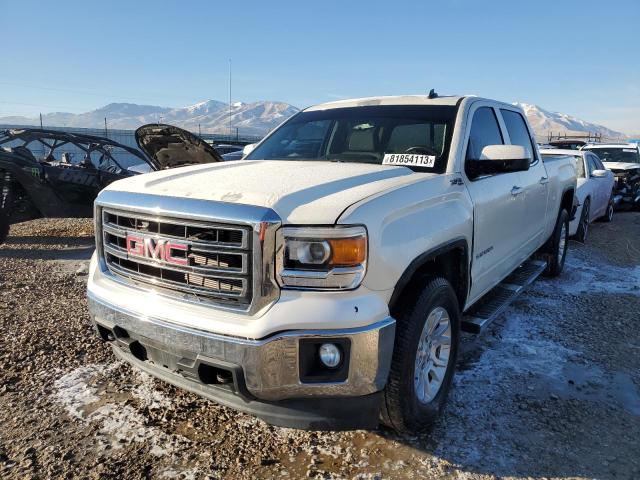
{"points": [[409, 160]]}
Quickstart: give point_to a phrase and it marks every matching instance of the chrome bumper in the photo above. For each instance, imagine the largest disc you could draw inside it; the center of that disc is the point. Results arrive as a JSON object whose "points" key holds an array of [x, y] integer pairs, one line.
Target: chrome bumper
{"points": [[268, 368]]}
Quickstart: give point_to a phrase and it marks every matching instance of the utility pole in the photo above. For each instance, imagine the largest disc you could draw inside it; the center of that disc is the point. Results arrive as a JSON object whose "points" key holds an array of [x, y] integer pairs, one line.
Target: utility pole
{"points": [[41, 120], [230, 130], [199, 131], [105, 127]]}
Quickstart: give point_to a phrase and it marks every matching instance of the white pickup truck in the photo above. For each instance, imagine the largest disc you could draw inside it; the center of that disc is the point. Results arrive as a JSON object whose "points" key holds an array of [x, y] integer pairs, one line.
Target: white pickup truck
{"points": [[323, 282]]}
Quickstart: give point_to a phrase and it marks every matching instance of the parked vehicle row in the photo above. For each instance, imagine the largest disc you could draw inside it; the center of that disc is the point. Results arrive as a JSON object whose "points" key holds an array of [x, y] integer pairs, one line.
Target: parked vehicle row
{"points": [[595, 190], [324, 280]]}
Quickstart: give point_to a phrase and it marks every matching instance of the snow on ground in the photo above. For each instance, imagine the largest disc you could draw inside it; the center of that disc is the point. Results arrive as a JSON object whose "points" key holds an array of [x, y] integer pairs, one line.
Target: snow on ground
{"points": [[119, 424], [527, 359]]}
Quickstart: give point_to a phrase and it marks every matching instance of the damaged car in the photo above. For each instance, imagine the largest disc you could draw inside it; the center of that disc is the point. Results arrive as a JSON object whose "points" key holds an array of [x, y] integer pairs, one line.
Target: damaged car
{"points": [[52, 173], [623, 159]]}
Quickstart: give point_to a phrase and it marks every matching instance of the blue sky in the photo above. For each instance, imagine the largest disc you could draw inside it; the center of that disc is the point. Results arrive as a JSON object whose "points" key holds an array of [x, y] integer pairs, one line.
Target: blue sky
{"points": [[577, 57]]}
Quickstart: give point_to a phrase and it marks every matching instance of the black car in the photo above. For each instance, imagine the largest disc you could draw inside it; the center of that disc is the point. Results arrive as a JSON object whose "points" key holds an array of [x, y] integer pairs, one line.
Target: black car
{"points": [[50, 173]]}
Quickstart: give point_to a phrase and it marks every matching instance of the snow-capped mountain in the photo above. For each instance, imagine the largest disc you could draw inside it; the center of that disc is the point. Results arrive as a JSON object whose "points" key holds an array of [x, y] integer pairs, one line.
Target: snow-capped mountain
{"points": [[210, 116], [544, 121], [257, 118]]}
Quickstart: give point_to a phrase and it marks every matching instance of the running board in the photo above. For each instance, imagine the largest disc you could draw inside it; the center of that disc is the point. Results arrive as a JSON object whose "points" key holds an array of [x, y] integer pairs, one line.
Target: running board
{"points": [[497, 300]]}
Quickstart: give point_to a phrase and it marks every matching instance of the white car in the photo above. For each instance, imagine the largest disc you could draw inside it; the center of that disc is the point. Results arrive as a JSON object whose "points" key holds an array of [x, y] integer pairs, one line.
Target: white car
{"points": [[623, 159], [595, 189]]}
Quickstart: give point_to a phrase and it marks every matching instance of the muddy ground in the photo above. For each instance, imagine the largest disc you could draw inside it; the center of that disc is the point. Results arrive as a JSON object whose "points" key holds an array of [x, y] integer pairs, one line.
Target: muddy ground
{"points": [[551, 390]]}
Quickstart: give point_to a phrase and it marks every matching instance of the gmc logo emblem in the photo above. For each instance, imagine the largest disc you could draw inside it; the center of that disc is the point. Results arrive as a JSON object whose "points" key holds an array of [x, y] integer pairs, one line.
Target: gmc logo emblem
{"points": [[157, 249]]}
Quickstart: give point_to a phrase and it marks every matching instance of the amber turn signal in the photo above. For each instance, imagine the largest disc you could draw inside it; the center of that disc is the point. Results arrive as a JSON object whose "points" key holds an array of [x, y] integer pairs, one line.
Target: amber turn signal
{"points": [[346, 252]]}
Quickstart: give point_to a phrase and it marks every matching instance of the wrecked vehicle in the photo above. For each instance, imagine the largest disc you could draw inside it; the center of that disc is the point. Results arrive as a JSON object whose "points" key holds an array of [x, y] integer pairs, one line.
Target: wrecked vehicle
{"points": [[323, 281], [52, 173], [623, 159]]}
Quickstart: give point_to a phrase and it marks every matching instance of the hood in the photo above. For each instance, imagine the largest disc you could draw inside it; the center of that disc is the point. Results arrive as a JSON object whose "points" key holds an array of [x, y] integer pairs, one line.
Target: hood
{"points": [[621, 166], [300, 192], [169, 147]]}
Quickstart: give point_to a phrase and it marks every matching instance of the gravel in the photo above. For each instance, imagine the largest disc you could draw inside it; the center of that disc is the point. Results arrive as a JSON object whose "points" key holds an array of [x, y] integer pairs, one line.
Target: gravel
{"points": [[551, 390]]}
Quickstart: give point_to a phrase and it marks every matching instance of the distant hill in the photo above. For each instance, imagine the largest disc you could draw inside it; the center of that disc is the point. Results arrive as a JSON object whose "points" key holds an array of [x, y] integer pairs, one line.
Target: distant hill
{"points": [[544, 121], [255, 118]]}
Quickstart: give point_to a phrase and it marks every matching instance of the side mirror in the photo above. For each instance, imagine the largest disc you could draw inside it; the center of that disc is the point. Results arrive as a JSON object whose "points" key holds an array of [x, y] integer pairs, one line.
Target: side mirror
{"points": [[499, 159], [599, 173], [248, 149]]}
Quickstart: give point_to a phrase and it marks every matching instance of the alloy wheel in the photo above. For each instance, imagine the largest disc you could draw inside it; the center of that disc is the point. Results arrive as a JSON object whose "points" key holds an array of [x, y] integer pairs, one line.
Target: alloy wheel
{"points": [[432, 355]]}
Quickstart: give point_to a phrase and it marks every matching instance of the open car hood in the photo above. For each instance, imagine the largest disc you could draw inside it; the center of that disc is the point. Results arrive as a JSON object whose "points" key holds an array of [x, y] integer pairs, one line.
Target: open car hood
{"points": [[169, 147], [621, 166]]}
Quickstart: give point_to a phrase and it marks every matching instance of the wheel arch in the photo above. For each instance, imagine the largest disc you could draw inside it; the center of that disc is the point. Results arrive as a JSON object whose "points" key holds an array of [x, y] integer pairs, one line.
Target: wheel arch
{"points": [[449, 260]]}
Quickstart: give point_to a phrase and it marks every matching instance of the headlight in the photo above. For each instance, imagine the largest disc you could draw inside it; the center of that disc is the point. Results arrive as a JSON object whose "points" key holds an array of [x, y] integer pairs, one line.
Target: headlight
{"points": [[323, 258]]}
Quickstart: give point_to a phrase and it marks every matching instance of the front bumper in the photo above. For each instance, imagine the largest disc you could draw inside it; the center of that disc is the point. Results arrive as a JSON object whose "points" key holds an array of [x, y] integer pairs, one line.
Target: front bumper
{"points": [[261, 377]]}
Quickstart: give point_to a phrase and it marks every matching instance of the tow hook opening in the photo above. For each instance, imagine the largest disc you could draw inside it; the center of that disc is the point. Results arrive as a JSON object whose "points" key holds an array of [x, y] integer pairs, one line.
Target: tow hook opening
{"points": [[105, 334], [210, 375], [138, 350]]}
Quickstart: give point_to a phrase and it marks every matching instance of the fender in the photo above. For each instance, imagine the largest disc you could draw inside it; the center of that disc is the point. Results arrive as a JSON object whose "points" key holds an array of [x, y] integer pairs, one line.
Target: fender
{"points": [[422, 259]]}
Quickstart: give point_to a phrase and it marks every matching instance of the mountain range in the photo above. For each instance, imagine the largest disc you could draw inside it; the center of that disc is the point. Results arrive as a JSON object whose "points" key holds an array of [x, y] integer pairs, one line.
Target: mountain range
{"points": [[257, 118], [209, 116]]}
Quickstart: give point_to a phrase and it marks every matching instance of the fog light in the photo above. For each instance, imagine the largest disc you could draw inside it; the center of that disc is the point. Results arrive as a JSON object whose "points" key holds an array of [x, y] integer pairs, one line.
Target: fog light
{"points": [[330, 355]]}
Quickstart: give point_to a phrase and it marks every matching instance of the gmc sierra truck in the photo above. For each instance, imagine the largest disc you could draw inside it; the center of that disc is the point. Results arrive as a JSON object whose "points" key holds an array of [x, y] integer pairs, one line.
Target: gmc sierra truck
{"points": [[323, 281]]}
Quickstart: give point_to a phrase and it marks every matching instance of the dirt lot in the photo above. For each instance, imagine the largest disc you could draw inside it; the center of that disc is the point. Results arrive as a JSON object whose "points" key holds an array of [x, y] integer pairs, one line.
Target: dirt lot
{"points": [[552, 390]]}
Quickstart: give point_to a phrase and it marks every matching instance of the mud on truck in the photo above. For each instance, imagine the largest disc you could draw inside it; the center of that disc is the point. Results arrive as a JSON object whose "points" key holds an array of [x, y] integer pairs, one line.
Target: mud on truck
{"points": [[323, 282]]}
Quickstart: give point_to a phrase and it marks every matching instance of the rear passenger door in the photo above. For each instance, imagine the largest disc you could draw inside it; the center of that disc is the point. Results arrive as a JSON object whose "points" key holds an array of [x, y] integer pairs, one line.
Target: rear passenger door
{"points": [[534, 184], [497, 209]]}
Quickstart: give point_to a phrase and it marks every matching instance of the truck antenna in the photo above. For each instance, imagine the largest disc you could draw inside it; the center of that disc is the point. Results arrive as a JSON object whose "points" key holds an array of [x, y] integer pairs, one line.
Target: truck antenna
{"points": [[433, 94]]}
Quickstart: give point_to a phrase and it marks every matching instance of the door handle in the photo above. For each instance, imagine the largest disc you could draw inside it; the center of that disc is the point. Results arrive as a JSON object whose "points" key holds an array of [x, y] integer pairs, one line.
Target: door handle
{"points": [[516, 190], [544, 180]]}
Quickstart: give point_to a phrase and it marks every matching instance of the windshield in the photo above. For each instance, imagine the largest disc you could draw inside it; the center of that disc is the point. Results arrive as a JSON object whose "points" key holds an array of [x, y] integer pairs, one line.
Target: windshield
{"points": [[372, 134], [616, 154]]}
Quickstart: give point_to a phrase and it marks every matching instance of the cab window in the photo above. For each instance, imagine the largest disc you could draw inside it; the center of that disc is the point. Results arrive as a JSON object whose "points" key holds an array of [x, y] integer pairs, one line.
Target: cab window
{"points": [[485, 130], [518, 132]]}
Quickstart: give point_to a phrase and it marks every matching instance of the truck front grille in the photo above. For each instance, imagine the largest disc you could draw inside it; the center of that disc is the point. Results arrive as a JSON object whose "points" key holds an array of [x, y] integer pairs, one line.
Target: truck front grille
{"points": [[207, 260]]}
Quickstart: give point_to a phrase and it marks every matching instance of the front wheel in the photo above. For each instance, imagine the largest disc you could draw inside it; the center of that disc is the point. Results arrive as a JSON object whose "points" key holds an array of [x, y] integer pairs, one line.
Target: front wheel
{"points": [[558, 243], [608, 216], [4, 227], [583, 228], [424, 357]]}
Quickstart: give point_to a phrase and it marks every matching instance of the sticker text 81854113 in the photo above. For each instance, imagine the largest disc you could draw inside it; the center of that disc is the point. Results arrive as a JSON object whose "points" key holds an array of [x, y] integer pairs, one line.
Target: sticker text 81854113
{"points": [[409, 160]]}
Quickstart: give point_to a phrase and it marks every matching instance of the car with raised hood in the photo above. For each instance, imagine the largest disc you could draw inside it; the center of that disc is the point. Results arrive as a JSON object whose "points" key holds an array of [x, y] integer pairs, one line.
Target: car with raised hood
{"points": [[53, 173], [623, 159], [595, 192], [323, 281]]}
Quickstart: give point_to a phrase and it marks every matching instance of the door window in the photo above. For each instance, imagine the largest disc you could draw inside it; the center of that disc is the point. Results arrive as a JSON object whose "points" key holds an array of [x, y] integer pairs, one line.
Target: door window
{"points": [[518, 132], [592, 164], [599, 164], [484, 131]]}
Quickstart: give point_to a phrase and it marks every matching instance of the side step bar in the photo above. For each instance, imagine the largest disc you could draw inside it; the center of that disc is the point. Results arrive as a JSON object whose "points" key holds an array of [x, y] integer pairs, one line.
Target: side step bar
{"points": [[487, 309]]}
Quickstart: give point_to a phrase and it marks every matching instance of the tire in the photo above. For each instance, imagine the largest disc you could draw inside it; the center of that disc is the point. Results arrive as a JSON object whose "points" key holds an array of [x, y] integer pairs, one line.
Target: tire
{"points": [[4, 227], [558, 244], [583, 228], [406, 408], [608, 216]]}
